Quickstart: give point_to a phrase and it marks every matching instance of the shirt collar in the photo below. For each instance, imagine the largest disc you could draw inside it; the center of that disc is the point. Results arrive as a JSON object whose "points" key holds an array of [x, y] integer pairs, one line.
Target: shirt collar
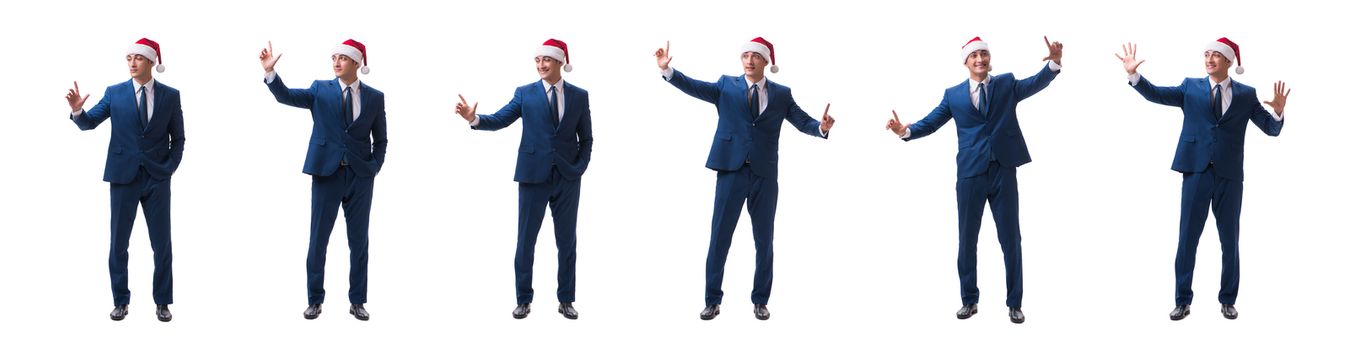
{"points": [[149, 85], [974, 85], [763, 84], [355, 85], [560, 83], [1226, 83]]}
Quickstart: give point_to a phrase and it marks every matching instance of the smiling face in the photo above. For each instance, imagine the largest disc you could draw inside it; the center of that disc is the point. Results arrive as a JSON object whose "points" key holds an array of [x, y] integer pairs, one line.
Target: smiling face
{"points": [[753, 63], [139, 67], [1215, 64], [345, 67], [549, 69], [979, 62]]}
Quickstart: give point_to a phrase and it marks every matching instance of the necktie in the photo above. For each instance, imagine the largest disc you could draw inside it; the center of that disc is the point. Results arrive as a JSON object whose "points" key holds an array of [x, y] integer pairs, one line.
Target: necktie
{"points": [[552, 105], [1218, 101], [754, 101], [347, 113], [143, 107], [983, 99]]}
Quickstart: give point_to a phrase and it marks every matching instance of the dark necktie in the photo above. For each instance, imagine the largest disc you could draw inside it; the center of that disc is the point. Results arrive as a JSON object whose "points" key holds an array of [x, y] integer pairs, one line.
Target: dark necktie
{"points": [[1217, 101], [347, 113], [983, 100], [143, 108], [983, 108], [552, 106], [754, 100]]}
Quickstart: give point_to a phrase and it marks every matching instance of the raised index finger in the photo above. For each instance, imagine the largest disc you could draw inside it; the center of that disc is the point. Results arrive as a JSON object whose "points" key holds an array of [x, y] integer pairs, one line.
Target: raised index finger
{"points": [[826, 109], [461, 99], [1047, 41]]}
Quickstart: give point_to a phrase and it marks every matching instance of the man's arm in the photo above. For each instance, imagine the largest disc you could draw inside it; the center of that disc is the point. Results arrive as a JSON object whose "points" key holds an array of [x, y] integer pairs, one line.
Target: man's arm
{"points": [[499, 120], [176, 134]]}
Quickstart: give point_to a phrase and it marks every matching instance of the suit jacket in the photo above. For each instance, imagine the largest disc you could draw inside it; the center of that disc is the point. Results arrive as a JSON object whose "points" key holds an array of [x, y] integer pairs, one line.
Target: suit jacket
{"points": [[332, 138], [158, 147], [985, 135], [543, 144], [1204, 137], [740, 136]]}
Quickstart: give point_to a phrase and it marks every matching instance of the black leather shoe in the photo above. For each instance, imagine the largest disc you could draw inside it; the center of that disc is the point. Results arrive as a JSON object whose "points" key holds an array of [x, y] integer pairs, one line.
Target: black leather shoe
{"points": [[118, 312], [1230, 311], [1180, 312], [1016, 315], [567, 311], [313, 311], [358, 310], [521, 311], [967, 311], [761, 312], [710, 312], [162, 312]]}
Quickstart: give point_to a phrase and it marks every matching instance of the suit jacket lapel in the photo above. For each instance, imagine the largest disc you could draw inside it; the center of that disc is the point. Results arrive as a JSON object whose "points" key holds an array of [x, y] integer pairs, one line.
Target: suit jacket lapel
{"points": [[965, 100], [365, 102], [1231, 104], [772, 90], [568, 114], [159, 104]]}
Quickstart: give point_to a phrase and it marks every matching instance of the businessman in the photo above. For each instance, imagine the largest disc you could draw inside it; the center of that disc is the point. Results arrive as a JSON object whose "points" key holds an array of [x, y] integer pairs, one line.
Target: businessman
{"points": [[750, 113], [1210, 158], [144, 151], [991, 148], [554, 153], [346, 151]]}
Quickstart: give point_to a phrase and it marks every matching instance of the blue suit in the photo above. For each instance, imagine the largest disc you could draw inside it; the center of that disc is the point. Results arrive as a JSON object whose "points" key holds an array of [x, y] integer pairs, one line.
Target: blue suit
{"points": [[991, 148], [745, 155], [141, 160], [551, 159], [1210, 156], [344, 157]]}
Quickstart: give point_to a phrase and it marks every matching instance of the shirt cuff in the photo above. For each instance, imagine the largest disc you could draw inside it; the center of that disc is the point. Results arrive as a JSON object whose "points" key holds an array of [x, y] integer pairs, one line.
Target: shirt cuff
{"points": [[269, 77], [1135, 78], [906, 135], [667, 73], [475, 121], [1279, 117], [1054, 66], [822, 132], [77, 114]]}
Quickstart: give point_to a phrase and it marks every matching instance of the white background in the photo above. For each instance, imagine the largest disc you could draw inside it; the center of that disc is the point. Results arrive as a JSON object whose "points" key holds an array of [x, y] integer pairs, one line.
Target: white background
{"points": [[866, 228]]}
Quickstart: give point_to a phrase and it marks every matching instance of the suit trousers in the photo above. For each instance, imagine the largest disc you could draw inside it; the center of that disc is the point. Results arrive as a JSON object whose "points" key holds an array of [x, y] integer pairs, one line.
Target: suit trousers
{"points": [[563, 197], [1197, 192], [998, 188], [734, 189], [153, 197], [353, 193]]}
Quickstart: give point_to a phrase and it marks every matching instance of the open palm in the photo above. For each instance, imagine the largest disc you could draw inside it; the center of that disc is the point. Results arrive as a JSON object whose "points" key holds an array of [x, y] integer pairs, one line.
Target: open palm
{"points": [[1131, 63]]}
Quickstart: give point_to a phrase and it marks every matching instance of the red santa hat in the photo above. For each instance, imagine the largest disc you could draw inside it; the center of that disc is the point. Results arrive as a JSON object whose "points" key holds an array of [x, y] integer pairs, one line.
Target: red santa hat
{"points": [[763, 48], [1228, 49], [971, 46], [149, 49], [557, 50], [356, 51]]}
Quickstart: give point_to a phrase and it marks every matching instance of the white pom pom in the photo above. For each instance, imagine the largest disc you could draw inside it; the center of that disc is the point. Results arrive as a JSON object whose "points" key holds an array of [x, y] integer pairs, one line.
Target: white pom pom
{"points": [[365, 70], [159, 68], [773, 68], [566, 68], [1241, 70]]}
